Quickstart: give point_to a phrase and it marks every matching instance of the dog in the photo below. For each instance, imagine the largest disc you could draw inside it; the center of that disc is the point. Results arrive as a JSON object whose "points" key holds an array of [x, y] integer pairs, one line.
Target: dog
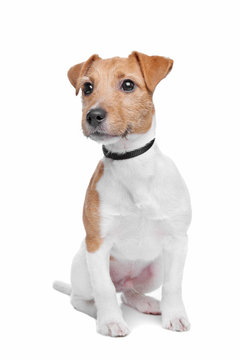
{"points": [[137, 207]]}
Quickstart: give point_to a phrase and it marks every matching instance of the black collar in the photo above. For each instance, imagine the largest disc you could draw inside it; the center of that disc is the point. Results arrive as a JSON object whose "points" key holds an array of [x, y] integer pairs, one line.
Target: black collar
{"points": [[128, 154]]}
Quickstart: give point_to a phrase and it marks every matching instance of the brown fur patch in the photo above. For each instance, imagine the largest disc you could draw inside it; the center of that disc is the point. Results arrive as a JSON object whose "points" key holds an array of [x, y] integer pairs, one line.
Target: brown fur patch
{"points": [[154, 68], [127, 112], [77, 71], [91, 214]]}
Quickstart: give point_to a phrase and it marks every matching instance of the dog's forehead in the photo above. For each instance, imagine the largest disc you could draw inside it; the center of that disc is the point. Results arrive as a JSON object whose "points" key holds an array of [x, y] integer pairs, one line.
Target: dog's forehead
{"points": [[116, 66]]}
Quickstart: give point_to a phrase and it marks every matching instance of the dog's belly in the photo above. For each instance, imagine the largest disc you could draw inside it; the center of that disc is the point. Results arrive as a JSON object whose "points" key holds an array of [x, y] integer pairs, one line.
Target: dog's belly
{"points": [[125, 274]]}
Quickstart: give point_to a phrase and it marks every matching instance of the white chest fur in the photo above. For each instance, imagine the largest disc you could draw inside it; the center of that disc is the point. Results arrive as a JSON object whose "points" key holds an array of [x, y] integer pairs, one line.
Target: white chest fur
{"points": [[143, 202]]}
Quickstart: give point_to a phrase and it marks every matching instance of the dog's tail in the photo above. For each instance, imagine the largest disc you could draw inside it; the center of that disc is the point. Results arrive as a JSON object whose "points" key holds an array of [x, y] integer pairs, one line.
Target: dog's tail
{"points": [[62, 287]]}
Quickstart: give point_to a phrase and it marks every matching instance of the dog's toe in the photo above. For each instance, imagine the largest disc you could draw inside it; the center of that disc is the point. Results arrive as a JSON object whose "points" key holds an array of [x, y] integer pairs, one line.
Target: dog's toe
{"points": [[114, 329], [176, 324]]}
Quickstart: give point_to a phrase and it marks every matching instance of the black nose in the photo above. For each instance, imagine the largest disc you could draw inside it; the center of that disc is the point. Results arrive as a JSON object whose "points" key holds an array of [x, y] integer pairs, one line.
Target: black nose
{"points": [[96, 116]]}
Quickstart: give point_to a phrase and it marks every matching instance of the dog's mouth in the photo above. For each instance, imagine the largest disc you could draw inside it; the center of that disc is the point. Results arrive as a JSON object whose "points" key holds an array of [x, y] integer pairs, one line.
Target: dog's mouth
{"points": [[103, 137], [99, 135]]}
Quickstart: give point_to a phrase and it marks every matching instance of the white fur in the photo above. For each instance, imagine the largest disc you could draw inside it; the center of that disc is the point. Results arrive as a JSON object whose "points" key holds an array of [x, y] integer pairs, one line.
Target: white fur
{"points": [[145, 213]]}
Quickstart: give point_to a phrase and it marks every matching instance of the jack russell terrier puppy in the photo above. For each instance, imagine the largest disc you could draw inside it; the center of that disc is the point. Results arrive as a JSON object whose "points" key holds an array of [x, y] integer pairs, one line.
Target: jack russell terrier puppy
{"points": [[137, 207]]}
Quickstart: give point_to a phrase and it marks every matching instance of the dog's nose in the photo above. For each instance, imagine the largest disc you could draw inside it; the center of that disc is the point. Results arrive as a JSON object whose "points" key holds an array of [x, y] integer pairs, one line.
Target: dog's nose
{"points": [[96, 116]]}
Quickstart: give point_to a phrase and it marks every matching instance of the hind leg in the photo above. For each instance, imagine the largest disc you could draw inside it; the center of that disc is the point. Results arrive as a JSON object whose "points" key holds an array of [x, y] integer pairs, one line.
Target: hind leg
{"points": [[82, 295], [141, 302], [148, 280]]}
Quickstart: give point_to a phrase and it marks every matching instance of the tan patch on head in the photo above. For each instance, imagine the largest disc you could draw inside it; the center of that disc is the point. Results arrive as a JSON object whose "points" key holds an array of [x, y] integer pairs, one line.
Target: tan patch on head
{"points": [[91, 213], [154, 68], [77, 71], [127, 112]]}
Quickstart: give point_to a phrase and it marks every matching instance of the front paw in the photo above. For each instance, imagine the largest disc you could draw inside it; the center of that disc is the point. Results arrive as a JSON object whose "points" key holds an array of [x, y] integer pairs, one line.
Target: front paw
{"points": [[114, 328], [175, 318], [175, 323]]}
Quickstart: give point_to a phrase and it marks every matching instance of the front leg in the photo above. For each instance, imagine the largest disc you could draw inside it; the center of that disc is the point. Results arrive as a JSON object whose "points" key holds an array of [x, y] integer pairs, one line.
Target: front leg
{"points": [[109, 317], [174, 316]]}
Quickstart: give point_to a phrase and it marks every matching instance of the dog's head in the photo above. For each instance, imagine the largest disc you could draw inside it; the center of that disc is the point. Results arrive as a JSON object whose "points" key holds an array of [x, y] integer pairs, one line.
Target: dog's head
{"points": [[117, 94]]}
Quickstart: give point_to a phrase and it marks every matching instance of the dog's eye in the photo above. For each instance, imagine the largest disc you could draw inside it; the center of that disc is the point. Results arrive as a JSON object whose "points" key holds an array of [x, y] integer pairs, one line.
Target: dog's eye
{"points": [[87, 88], [128, 85]]}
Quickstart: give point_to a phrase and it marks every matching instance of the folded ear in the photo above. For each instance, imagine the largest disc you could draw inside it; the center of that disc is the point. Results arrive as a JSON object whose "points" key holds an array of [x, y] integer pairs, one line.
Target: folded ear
{"points": [[77, 71], [154, 68]]}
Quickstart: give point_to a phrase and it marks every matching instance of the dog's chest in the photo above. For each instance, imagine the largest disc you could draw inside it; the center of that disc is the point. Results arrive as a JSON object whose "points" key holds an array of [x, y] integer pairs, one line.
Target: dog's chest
{"points": [[132, 216], [142, 203], [131, 226]]}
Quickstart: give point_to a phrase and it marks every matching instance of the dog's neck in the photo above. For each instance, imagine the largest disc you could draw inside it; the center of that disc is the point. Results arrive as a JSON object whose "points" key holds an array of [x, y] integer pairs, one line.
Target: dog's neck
{"points": [[132, 141]]}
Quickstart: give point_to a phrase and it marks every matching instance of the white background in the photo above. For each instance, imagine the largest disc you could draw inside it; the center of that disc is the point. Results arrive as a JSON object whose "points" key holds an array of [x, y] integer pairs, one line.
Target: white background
{"points": [[46, 164]]}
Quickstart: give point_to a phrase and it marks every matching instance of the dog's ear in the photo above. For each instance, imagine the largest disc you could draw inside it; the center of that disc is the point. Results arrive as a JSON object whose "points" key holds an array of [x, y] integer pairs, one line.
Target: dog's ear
{"points": [[75, 72], [154, 68]]}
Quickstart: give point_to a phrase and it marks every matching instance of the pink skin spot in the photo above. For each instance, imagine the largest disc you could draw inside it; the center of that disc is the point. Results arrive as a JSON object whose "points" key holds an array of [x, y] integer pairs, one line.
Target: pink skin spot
{"points": [[128, 284], [123, 278]]}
